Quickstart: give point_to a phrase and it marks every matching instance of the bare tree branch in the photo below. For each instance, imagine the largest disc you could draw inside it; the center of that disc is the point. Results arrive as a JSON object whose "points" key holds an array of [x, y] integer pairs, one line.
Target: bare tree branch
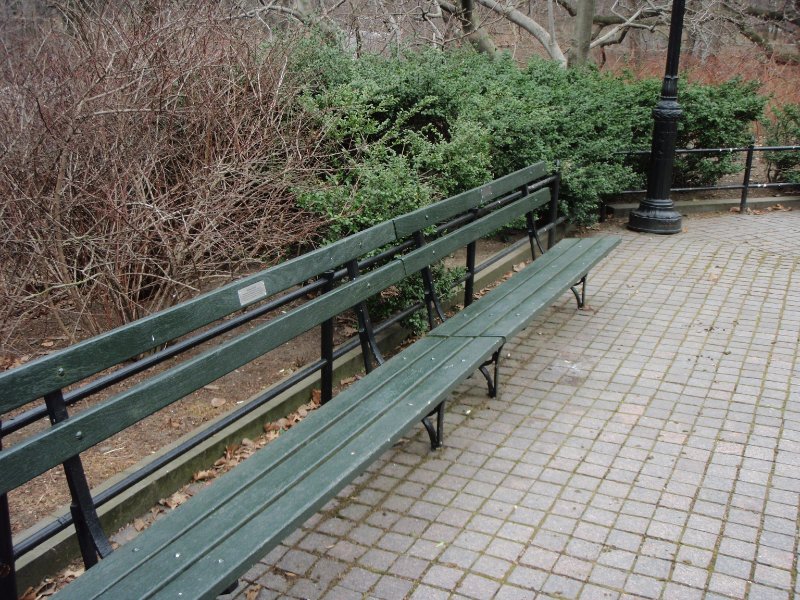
{"points": [[528, 24]]}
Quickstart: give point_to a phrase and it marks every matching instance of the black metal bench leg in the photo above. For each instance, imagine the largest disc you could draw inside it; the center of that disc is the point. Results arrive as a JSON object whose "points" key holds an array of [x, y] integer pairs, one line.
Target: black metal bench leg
{"points": [[436, 434], [492, 380], [8, 576], [580, 296], [231, 588]]}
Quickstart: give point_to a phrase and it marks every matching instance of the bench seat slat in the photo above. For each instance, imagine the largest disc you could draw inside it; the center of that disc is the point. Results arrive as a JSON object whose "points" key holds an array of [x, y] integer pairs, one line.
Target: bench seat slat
{"points": [[511, 323], [444, 210], [379, 409], [536, 273], [517, 301], [65, 367], [49, 448]]}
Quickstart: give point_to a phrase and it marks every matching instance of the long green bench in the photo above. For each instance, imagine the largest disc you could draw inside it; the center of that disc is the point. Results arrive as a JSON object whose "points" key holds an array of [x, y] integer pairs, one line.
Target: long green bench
{"points": [[202, 547]]}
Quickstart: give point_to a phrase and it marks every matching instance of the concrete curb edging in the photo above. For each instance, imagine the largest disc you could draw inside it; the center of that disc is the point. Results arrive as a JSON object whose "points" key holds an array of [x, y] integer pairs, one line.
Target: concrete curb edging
{"points": [[622, 209]]}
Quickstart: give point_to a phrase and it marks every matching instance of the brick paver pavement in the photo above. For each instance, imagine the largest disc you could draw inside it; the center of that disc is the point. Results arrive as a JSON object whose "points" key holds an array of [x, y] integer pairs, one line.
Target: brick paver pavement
{"points": [[647, 447]]}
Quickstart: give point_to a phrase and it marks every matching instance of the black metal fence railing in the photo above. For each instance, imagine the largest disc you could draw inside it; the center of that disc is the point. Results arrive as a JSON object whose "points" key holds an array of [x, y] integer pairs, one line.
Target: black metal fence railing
{"points": [[746, 184]]}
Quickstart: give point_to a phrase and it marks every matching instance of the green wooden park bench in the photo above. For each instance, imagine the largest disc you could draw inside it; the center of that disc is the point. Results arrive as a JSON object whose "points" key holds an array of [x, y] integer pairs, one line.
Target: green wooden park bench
{"points": [[200, 549]]}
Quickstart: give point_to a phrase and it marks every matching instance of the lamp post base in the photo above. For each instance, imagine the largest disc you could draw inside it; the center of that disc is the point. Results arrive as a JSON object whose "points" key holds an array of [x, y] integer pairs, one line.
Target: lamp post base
{"points": [[649, 218]]}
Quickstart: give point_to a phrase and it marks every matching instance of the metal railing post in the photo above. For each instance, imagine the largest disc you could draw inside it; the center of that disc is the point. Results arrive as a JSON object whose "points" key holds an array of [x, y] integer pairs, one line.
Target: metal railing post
{"points": [[553, 216], [748, 165], [326, 343]]}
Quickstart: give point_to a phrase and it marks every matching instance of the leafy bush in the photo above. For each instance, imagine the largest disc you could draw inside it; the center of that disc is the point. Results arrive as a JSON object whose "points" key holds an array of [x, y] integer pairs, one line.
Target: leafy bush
{"points": [[715, 116], [442, 122], [784, 130]]}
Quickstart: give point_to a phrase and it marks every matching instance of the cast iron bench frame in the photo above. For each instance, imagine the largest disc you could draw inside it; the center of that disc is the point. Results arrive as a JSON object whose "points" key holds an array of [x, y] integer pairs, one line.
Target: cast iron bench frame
{"points": [[200, 549]]}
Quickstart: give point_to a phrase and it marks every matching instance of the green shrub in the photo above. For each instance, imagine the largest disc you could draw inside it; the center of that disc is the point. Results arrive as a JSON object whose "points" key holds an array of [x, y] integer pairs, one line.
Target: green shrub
{"points": [[715, 116], [784, 130], [443, 122]]}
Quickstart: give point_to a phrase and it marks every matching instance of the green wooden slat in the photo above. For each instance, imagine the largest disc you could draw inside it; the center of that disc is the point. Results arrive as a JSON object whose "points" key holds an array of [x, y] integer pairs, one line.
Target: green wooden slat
{"points": [[510, 323], [384, 408], [446, 209], [538, 272], [442, 247], [42, 451], [60, 369], [510, 308]]}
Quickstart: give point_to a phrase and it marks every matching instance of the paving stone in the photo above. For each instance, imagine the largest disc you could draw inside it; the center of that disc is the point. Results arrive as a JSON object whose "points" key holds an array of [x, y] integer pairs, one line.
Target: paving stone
{"points": [[359, 580], [425, 592], [342, 593], [458, 557], [761, 592], [594, 592], [562, 587], [778, 578], [509, 592], [443, 577], [475, 586], [644, 586], [377, 560], [390, 588], [296, 561], [572, 567], [728, 586]]}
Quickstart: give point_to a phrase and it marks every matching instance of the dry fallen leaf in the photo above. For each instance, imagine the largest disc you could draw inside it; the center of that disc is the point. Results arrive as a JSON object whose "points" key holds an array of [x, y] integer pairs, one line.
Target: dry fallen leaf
{"points": [[252, 592], [175, 500], [518, 267], [71, 574], [139, 525], [28, 594], [347, 380], [48, 344], [316, 396], [348, 331], [203, 475], [217, 402], [780, 207]]}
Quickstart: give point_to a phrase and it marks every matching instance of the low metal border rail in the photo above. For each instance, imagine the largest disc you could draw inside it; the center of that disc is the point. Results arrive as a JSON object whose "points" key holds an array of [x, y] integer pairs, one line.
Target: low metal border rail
{"points": [[746, 184]]}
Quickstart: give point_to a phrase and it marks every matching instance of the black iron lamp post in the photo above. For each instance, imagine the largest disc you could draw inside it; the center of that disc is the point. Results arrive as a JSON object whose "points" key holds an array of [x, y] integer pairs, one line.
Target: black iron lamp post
{"points": [[656, 213]]}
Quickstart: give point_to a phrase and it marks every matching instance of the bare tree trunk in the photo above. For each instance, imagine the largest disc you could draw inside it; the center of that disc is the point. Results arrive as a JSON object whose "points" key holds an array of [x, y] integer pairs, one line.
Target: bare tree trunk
{"points": [[579, 53], [475, 34]]}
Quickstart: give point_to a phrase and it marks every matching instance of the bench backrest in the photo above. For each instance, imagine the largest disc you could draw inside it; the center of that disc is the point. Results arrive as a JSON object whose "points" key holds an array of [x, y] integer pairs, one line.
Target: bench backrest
{"points": [[477, 213]]}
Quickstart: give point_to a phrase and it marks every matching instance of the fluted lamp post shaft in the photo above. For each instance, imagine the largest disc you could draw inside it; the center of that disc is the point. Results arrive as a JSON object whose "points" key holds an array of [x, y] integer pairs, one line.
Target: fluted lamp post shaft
{"points": [[656, 213]]}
